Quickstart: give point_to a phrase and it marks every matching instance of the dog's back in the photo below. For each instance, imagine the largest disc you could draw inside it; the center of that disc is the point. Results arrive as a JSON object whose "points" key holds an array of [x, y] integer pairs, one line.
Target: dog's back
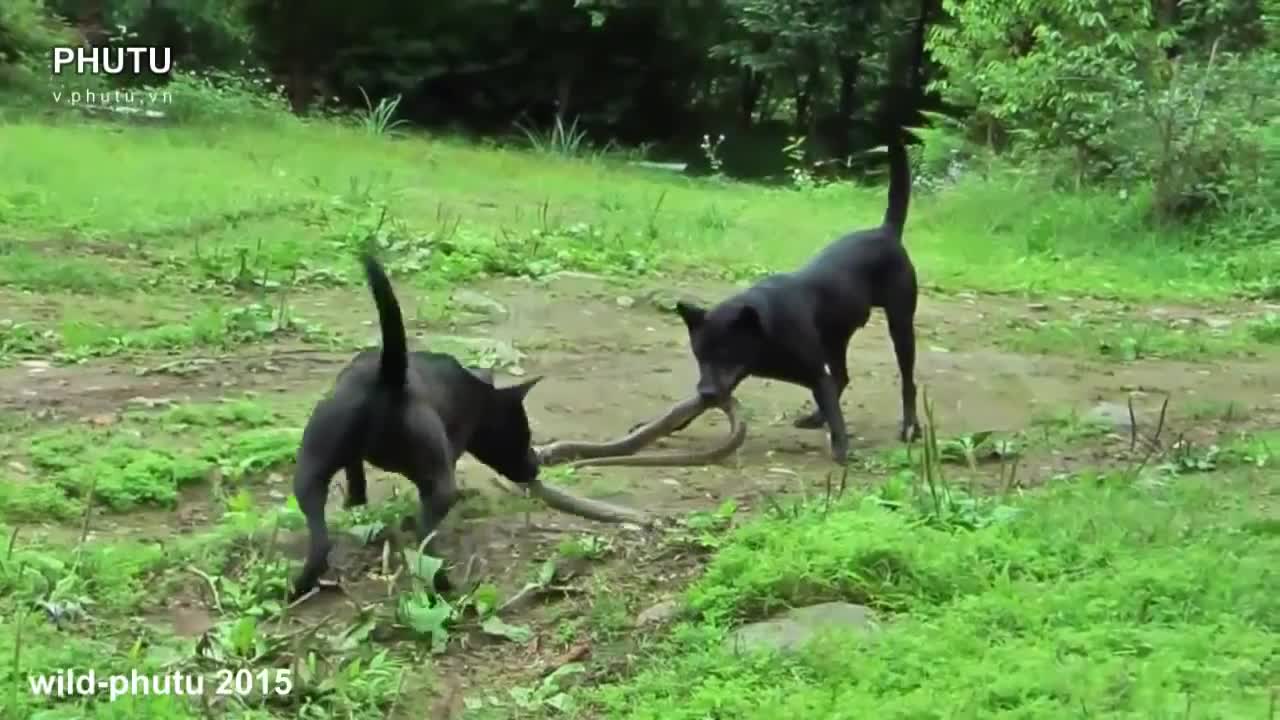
{"points": [[857, 268], [873, 247]]}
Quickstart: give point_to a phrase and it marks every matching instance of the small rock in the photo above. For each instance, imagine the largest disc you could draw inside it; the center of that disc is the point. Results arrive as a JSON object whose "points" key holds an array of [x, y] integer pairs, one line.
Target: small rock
{"points": [[191, 622], [35, 365], [574, 275], [658, 614], [1112, 414], [1037, 307], [670, 481], [1217, 323], [151, 403], [938, 349], [796, 628], [18, 467], [503, 353], [472, 301], [626, 301]]}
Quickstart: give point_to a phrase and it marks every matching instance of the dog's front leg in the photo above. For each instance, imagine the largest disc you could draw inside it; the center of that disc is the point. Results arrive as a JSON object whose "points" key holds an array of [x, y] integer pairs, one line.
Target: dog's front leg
{"points": [[827, 398]]}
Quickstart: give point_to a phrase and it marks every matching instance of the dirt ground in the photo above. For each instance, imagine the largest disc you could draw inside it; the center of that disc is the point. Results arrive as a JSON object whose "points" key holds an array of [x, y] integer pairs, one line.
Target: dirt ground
{"points": [[610, 358]]}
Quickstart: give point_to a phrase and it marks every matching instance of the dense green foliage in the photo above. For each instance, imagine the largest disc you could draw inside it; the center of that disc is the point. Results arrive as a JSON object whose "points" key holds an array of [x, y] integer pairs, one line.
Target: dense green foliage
{"points": [[1174, 96]]}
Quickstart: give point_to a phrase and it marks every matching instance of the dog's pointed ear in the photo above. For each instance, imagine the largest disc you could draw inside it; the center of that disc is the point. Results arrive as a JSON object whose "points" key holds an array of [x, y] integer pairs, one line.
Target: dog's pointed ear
{"points": [[692, 315], [521, 390], [484, 375]]}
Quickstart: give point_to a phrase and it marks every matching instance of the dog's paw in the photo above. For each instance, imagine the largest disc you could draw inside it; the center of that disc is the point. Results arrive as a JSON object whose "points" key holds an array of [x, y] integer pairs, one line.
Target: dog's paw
{"points": [[839, 450], [909, 431], [812, 421]]}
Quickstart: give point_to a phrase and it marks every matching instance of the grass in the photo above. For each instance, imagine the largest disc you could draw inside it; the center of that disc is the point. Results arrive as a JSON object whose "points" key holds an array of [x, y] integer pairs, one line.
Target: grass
{"points": [[141, 458], [1127, 340], [1108, 595], [573, 212], [200, 250]]}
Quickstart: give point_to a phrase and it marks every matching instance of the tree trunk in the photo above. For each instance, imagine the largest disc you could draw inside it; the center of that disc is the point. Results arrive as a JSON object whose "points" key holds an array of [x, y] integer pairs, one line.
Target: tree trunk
{"points": [[299, 87], [766, 101], [805, 96], [916, 79], [92, 23], [564, 93], [752, 86], [847, 103], [1168, 15]]}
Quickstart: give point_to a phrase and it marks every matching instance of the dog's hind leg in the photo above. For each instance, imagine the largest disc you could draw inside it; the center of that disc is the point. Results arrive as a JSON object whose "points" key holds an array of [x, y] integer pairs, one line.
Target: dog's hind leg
{"points": [[357, 487], [901, 320], [311, 488], [328, 444]]}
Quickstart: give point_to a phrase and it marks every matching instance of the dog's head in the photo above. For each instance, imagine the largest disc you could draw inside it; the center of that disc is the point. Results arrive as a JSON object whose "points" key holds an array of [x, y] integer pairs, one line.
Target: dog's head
{"points": [[726, 342], [502, 439]]}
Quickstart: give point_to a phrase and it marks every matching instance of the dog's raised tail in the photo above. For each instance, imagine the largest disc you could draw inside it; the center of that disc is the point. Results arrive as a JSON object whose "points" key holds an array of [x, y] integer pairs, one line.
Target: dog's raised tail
{"points": [[895, 215], [393, 367]]}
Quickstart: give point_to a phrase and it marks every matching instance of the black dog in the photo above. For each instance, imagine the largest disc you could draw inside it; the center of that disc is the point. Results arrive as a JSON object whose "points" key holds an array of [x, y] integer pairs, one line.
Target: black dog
{"points": [[795, 327], [409, 413]]}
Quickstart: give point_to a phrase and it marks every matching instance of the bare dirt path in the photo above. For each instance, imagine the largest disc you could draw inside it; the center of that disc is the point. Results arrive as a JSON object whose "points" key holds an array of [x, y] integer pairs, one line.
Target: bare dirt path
{"points": [[611, 357]]}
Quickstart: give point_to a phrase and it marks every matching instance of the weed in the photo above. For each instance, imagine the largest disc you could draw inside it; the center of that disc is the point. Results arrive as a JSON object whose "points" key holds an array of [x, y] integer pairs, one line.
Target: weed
{"points": [[1266, 329], [587, 547], [561, 139], [711, 151], [377, 119]]}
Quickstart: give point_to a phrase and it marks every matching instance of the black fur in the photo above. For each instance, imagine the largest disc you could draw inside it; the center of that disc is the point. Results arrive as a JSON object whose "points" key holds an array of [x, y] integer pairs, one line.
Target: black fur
{"points": [[795, 327], [409, 413]]}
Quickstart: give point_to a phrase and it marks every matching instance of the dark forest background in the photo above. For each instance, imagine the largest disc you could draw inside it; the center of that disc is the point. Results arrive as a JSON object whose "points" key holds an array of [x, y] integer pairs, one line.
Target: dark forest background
{"points": [[1175, 94]]}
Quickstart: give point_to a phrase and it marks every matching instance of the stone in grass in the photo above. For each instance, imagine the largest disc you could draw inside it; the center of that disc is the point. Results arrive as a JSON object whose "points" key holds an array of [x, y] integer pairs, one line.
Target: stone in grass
{"points": [[795, 628], [473, 350], [1113, 415], [478, 303], [659, 614]]}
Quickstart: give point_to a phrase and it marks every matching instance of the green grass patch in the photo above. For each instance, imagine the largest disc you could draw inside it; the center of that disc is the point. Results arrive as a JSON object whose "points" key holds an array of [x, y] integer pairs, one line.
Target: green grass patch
{"points": [[22, 269], [84, 608], [1130, 340], [145, 460], [1106, 596], [466, 210], [215, 326]]}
